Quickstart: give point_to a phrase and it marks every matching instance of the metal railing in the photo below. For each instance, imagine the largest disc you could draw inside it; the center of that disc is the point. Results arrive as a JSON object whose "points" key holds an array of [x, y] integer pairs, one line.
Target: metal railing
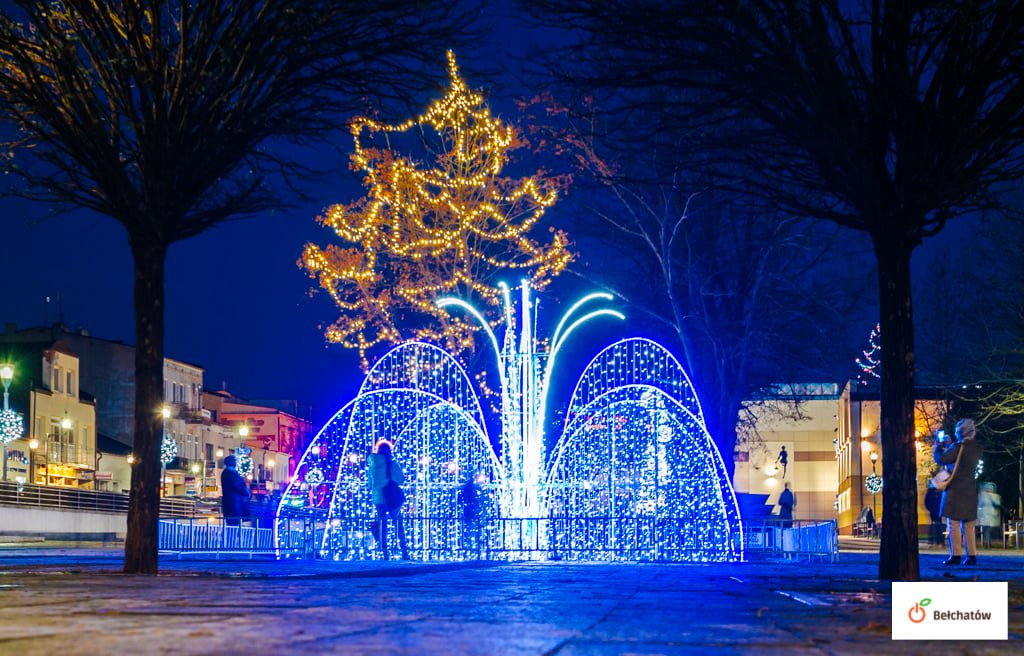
{"points": [[792, 539], [302, 533], [65, 498], [590, 538], [216, 536]]}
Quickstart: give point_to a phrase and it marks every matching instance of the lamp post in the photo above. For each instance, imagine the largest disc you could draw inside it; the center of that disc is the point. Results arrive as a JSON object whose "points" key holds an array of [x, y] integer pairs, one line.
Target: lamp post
{"points": [[6, 374], [874, 492], [65, 424], [33, 444], [165, 412], [243, 452], [216, 477]]}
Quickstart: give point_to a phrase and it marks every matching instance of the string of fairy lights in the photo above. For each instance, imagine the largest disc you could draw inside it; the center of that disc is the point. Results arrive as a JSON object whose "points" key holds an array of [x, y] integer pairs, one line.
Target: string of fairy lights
{"points": [[450, 225], [10, 426], [634, 474], [871, 364], [168, 449]]}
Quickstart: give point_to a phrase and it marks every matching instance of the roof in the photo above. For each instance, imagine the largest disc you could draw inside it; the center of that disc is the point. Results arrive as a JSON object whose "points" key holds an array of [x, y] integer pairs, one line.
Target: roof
{"points": [[107, 444], [59, 331]]}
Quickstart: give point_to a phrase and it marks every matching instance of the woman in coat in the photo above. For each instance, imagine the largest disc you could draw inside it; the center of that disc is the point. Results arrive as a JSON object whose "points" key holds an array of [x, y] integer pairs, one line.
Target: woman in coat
{"points": [[380, 468], [960, 498]]}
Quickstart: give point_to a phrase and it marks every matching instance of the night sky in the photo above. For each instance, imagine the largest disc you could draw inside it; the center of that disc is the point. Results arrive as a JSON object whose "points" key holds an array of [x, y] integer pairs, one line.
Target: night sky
{"points": [[237, 304]]}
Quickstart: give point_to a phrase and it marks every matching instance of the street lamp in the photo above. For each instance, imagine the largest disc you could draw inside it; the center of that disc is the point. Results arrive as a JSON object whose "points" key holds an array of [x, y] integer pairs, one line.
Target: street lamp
{"points": [[11, 422], [165, 412], [874, 484], [65, 424], [244, 464], [33, 444]]}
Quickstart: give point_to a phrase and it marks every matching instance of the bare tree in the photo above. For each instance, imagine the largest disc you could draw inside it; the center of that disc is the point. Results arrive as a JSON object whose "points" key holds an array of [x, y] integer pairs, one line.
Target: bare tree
{"points": [[745, 293], [890, 118], [158, 113]]}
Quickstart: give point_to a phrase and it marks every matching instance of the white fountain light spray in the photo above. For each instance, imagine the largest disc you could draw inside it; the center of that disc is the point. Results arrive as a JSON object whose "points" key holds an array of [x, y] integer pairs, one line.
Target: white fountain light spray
{"points": [[525, 375]]}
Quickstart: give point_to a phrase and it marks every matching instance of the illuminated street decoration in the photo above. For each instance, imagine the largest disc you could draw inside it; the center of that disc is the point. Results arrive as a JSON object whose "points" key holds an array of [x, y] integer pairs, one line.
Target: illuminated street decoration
{"points": [[873, 482], [168, 449], [243, 461], [633, 475], [10, 426], [870, 366], [449, 222]]}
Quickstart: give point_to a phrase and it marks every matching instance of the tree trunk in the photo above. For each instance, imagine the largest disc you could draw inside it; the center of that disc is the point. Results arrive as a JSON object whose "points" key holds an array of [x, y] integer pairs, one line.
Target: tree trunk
{"points": [[140, 546], [898, 557]]}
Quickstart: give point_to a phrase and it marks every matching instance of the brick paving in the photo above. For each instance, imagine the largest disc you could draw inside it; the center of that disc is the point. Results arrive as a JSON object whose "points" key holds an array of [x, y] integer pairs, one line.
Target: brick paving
{"points": [[73, 601]]}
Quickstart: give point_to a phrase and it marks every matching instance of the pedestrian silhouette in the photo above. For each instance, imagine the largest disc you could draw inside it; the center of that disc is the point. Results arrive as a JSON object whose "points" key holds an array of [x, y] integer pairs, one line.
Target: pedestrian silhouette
{"points": [[234, 493], [787, 501], [469, 506]]}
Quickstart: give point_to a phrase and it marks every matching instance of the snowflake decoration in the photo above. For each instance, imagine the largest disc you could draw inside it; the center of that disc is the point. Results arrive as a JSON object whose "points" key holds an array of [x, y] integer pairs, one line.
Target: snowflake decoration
{"points": [[168, 450], [243, 462], [10, 426], [873, 482], [315, 475]]}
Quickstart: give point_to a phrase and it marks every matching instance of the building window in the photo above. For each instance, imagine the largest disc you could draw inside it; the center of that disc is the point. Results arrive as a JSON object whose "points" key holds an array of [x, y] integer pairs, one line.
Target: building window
{"points": [[56, 379], [71, 383]]}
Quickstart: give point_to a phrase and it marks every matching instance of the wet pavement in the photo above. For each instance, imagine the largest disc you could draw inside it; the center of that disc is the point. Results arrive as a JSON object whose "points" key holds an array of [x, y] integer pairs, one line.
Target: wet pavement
{"points": [[74, 601]]}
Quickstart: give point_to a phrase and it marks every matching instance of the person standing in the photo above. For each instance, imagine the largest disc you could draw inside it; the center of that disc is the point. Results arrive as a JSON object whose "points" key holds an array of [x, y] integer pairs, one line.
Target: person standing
{"points": [[469, 507], [234, 500], [381, 468], [989, 517], [933, 503], [787, 501], [960, 498]]}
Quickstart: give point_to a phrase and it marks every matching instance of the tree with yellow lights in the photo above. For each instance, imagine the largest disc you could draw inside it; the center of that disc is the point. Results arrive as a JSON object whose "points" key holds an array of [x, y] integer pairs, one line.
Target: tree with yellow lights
{"points": [[455, 226]]}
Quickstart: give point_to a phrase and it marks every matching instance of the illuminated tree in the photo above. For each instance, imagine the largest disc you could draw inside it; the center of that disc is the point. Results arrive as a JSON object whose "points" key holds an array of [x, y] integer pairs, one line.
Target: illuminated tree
{"points": [[164, 115], [452, 227]]}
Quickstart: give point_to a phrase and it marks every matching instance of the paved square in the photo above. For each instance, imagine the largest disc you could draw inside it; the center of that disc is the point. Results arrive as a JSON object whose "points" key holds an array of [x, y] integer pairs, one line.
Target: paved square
{"points": [[75, 602]]}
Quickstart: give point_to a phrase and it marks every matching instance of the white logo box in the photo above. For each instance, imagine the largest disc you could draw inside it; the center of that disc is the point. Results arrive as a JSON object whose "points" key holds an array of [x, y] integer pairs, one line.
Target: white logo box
{"points": [[949, 611]]}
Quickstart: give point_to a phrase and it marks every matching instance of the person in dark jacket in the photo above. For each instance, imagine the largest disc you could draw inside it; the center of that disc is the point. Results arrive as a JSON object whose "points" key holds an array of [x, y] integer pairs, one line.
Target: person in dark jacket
{"points": [[960, 498], [234, 500], [469, 506], [787, 501], [381, 468], [933, 503]]}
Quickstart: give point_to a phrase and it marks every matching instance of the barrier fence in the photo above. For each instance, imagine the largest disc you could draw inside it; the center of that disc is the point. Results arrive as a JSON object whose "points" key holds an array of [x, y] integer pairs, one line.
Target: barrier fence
{"points": [[215, 536], [302, 535], [63, 498], [793, 539]]}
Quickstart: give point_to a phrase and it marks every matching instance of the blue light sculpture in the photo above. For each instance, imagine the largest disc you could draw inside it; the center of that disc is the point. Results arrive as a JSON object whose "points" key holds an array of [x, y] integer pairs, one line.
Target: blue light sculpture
{"points": [[634, 474]]}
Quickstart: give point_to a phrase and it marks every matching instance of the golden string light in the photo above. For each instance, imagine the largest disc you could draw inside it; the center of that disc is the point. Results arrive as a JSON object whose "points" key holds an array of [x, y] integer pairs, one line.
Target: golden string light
{"points": [[455, 226]]}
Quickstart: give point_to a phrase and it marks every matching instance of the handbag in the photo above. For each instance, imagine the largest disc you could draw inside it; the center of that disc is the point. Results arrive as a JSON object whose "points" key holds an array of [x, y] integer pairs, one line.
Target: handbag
{"points": [[942, 478], [394, 497]]}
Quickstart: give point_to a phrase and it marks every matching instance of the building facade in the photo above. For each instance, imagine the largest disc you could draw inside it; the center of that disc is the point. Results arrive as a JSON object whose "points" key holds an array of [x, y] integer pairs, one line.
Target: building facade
{"points": [[801, 419], [276, 438], [833, 447], [859, 449], [59, 443]]}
